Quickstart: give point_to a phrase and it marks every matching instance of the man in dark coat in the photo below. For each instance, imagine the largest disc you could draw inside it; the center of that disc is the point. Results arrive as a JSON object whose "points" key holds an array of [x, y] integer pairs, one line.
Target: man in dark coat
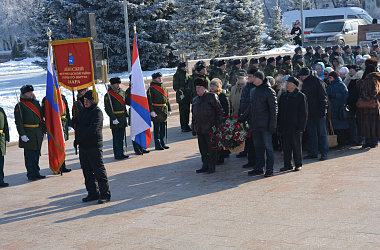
{"points": [[30, 127], [114, 105], [263, 119], [296, 32], [89, 138], [206, 113], [4, 139], [291, 123], [249, 148], [315, 91], [183, 95], [200, 72], [78, 105], [159, 106]]}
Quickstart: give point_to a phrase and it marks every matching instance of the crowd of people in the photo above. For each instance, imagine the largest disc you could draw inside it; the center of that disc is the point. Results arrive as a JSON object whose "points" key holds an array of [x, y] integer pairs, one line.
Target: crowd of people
{"points": [[326, 89]]}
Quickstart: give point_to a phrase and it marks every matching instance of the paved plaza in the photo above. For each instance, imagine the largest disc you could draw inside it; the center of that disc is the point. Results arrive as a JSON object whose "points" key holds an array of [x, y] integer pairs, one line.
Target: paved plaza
{"points": [[159, 202]]}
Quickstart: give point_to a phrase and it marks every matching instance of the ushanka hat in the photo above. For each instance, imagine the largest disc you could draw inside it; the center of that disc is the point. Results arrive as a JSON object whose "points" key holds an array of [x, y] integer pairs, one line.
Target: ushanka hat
{"points": [[201, 82], [114, 80], [26, 88], [155, 75]]}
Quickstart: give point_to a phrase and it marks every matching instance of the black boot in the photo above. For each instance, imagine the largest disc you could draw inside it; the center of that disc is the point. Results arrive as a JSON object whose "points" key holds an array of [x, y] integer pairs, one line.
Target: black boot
{"points": [[220, 160]]}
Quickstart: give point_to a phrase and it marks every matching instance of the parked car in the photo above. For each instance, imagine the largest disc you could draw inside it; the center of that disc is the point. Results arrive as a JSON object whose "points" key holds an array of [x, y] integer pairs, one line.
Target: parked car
{"points": [[341, 32]]}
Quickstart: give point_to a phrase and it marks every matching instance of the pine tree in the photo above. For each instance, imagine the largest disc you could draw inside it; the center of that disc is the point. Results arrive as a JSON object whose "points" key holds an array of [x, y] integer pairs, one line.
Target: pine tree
{"points": [[296, 5], [277, 34], [242, 27], [197, 26]]}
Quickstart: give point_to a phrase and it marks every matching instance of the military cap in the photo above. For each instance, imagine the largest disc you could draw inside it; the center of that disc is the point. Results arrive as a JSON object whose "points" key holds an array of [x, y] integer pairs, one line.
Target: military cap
{"points": [[200, 65], [114, 80], [346, 47], [318, 47], [262, 59], [297, 49], [157, 74], [181, 64], [26, 88], [213, 61], [244, 61], [309, 48], [278, 58], [323, 55], [220, 63], [335, 47], [328, 48], [236, 62], [374, 42]]}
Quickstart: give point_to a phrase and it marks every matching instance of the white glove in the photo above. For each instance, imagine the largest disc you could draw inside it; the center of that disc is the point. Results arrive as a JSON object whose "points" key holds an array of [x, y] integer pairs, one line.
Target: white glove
{"points": [[43, 136], [24, 138], [115, 122], [153, 114], [70, 128], [126, 119], [6, 142], [170, 113], [182, 96]]}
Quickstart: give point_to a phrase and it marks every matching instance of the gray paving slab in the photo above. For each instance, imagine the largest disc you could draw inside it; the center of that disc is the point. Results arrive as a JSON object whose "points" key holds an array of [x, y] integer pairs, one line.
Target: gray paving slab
{"points": [[159, 202]]}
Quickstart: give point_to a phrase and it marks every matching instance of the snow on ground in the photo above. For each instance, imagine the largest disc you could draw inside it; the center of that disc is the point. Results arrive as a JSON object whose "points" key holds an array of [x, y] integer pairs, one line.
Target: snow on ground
{"points": [[14, 74]]}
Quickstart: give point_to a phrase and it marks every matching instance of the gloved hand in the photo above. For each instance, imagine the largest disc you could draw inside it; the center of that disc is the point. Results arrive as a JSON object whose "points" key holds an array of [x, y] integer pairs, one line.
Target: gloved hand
{"points": [[24, 138], [75, 144], [153, 114], [70, 128], [115, 122], [126, 119], [170, 113], [43, 136], [6, 142], [182, 96]]}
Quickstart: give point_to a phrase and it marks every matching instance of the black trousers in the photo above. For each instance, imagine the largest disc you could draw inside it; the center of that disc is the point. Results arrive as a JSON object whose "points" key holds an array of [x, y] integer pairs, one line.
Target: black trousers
{"points": [[184, 114], [94, 172], [208, 155], [32, 159], [292, 147], [159, 132], [251, 150], [340, 136], [118, 135], [1, 169]]}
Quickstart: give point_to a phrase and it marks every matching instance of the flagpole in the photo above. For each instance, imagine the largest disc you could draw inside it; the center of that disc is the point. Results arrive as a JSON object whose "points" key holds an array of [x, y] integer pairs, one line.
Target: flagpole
{"points": [[127, 36]]}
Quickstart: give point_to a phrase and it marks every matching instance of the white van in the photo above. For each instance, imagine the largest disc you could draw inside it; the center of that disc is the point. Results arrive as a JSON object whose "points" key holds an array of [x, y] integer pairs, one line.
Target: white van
{"points": [[313, 17]]}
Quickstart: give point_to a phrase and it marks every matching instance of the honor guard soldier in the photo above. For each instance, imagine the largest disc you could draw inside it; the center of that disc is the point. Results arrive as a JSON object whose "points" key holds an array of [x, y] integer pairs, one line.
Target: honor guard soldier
{"points": [[114, 105], [270, 69], [298, 63], [200, 72], [263, 63], [31, 129], [159, 105], [253, 64], [308, 56], [234, 72], [286, 65], [221, 73], [244, 64], [183, 95], [89, 138], [279, 62], [66, 123], [297, 50], [4, 139]]}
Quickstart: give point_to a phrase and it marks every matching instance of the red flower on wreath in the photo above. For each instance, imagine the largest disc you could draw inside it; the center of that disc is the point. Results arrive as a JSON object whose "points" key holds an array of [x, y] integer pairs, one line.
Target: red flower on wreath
{"points": [[210, 143], [249, 135], [229, 132], [223, 137], [238, 134], [237, 126], [226, 147], [220, 129], [212, 148], [227, 125], [217, 140], [240, 142], [223, 132], [219, 148]]}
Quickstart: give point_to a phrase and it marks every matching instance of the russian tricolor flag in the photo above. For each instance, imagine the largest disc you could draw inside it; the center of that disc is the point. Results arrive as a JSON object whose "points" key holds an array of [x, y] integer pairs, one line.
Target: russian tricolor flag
{"points": [[53, 107], [140, 114]]}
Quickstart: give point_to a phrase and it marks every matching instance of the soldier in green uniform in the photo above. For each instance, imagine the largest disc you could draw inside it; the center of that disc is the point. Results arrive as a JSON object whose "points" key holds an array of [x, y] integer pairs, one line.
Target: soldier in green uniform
{"points": [[234, 72], [297, 50], [212, 66], [200, 72], [270, 69], [220, 72], [136, 147], [298, 63], [279, 62], [183, 95], [4, 139], [159, 106], [66, 123], [286, 65], [114, 105], [263, 63], [244, 64], [31, 129], [253, 64]]}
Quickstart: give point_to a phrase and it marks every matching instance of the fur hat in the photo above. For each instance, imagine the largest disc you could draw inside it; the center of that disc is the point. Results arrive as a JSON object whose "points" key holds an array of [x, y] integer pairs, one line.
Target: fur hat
{"points": [[220, 63], [213, 61], [200, 65], [181, 64], [259, 74], [254, 60], [89, 96], [297, 49], [236, 62], [262, 59], [334, 74], [308, 48], [328, 48], [287, 58], [114, 80], [323, 55], [318, 47], [271, 59], [305, 71], [80, 90], [278, 58], [201, 82], [252, 71], [335, 47], [26, 88], [372, 61], [294, 80], [155, 75], [244, 61], [346, 47], [344, 70]]}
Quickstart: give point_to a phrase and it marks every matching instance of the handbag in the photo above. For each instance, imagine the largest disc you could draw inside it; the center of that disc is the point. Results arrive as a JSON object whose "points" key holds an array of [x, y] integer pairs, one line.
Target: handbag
{"points": [[363, 104], [345, 113], [331, 137]]}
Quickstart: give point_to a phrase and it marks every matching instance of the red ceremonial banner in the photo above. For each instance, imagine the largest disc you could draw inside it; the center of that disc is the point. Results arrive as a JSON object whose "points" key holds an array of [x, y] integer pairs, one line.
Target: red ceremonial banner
{"points": [[73, 60]]}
